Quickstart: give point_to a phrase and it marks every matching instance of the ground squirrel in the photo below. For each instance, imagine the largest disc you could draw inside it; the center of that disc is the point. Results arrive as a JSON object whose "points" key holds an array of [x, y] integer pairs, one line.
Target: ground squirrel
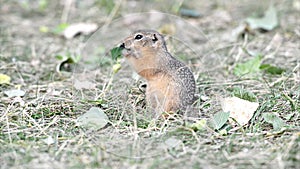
{"points": [[170, 83]]}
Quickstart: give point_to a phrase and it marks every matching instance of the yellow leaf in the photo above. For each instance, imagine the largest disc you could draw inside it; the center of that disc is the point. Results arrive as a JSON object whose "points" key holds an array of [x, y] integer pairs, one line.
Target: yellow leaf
{"points": [[4, 79], [44, 29]]}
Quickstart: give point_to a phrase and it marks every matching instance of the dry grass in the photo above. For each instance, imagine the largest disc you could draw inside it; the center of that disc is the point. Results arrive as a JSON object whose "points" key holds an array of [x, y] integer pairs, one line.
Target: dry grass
{"points": [[51, 104]]}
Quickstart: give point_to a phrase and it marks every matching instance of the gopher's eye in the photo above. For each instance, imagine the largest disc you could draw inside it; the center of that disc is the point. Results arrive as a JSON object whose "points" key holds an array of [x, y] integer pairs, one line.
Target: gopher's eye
{"points": [[138, 37]]}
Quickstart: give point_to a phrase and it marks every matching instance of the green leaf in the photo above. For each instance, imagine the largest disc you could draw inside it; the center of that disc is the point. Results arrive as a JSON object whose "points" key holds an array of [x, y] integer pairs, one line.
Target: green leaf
{"points": [[61, 57], [43, 4], [74, 58], [272, 69], [60, 28], [199, 125], [4, 79], [273, 119], [95, 119], [243, 94], [249, 68], [220, 119], [116, 53], [68, 58], [268, 22]]}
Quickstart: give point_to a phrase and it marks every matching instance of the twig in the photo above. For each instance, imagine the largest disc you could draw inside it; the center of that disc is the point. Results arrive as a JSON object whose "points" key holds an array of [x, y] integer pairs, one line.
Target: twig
{"points": [[111, 15], [66, 11]]}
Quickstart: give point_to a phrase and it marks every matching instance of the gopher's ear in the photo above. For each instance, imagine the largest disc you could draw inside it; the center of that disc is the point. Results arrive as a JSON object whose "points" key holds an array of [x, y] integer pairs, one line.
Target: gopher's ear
{"points": [[154, 38], [156, 41]]}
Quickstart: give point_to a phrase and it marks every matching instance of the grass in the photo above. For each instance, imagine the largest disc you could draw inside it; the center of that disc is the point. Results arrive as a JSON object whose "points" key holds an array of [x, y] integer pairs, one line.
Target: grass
{"points": [[39, 129]]}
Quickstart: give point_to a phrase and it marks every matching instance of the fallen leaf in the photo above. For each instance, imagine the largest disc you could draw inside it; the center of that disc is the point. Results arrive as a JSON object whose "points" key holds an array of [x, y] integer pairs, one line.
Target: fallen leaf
{"points": [[172, 142], [220, 119], [268, 22], [79, 28], [49, 140], [60, 28], [272, 69], [189, 13], [4, 79], [94, 119], [240, 110], [273, 119], [249, 68], [199, 125], [79, 85], [14, 93]]}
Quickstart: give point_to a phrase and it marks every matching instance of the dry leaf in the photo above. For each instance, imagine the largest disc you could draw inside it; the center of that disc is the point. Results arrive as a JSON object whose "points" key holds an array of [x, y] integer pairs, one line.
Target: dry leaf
{"points": [[268, 22], [172, 142], [14, 93], [79, 28], [95, 119], [239, 109], [49, 140]]}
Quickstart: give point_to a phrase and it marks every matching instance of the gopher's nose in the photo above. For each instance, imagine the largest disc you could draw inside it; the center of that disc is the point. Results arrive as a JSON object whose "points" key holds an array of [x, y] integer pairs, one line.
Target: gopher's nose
{"points": [[122, 46]]}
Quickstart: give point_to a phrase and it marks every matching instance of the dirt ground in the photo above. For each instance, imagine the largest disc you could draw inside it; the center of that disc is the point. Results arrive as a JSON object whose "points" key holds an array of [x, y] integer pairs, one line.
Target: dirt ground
{"points": [[39, 130]]}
